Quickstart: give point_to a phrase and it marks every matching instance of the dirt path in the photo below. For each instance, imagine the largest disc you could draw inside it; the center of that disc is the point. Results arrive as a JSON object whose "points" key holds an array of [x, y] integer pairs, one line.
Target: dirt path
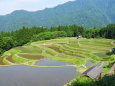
{"points": [[112, 70]]}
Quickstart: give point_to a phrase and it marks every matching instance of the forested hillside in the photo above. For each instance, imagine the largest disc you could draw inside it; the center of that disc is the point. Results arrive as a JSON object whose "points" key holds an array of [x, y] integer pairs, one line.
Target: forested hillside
{"points": [[88, 13]]}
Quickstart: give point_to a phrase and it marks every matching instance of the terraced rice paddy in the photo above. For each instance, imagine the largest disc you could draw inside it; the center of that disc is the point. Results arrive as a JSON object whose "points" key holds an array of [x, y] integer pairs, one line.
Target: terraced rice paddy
{"points": [[75, 52], [69, 50], [51, 63]]}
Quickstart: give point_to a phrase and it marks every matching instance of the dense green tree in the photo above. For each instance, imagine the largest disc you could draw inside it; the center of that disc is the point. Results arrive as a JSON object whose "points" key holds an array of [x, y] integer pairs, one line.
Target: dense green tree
{"points": [[49, 35], [25, 34]]}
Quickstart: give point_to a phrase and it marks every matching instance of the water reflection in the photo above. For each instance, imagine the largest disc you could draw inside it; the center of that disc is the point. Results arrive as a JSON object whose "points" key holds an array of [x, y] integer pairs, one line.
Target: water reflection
{"points": [[34, 76], [51, 63], [100, 55]]}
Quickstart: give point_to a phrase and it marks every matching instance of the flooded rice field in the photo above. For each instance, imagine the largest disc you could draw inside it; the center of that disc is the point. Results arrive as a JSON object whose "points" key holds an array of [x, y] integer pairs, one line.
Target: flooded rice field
{"points": [[100, 55], [88, 63], [51, 63], [34, 57], [9, 58], [30, 50], [34, 76]]}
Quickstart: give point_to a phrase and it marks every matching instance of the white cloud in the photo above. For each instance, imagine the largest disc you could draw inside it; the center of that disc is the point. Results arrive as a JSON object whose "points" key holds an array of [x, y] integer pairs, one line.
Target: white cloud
{"points": [[7, 6]]}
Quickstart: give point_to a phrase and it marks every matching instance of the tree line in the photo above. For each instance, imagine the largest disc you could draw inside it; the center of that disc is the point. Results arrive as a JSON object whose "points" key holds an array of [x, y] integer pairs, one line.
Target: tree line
{"points": [[24, 35]]}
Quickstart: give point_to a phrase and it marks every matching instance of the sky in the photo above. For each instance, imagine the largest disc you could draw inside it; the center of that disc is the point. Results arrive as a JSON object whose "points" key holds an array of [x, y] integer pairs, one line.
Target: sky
{"points": [[8, 6]]}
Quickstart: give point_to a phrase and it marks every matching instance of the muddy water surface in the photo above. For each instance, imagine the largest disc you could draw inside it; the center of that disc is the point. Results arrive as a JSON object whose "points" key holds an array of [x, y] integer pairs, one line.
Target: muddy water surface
{"points": [[35, 57], [9, 58]]}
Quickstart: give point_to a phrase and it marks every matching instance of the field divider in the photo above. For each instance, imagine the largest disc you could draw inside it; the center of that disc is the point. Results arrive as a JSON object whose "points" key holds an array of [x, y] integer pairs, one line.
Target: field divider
{"points": [[19, 59]]}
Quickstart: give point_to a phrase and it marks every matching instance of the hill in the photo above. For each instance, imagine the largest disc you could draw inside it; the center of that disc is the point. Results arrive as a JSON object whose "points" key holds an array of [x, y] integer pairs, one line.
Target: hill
{"points": [[88, 13]]}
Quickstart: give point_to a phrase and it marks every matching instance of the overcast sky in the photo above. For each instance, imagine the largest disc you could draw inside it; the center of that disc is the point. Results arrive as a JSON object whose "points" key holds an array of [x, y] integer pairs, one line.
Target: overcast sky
{"points": [[7, 6]]}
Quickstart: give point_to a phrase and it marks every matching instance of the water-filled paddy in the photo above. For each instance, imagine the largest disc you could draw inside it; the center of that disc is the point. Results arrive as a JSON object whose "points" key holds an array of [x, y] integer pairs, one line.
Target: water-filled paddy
{"points": [[71, 55], [88, 63], [9, 58], [34, 76], [30, 50], [35, 57], [51, 63], [100, 55], [56, 49]]}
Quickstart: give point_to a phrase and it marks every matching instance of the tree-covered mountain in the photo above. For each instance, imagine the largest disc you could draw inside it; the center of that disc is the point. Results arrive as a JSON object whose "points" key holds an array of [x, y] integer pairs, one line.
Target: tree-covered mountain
{"points": [[88, 13]]}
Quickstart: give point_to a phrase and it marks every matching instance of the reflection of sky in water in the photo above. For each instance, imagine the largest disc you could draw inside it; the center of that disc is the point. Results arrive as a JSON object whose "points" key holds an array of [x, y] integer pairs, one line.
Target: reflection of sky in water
{"points": [[100, 55], [51, 63], [34, 76], [89, 63]]}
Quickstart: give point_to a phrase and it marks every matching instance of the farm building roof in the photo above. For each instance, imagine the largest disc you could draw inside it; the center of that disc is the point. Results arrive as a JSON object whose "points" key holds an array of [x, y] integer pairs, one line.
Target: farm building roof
{"points": [[94, 72], [86, 72]]}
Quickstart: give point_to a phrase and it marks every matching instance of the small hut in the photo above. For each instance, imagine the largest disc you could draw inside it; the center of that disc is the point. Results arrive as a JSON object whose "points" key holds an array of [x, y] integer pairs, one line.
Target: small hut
{"points": [[79, 36]]}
